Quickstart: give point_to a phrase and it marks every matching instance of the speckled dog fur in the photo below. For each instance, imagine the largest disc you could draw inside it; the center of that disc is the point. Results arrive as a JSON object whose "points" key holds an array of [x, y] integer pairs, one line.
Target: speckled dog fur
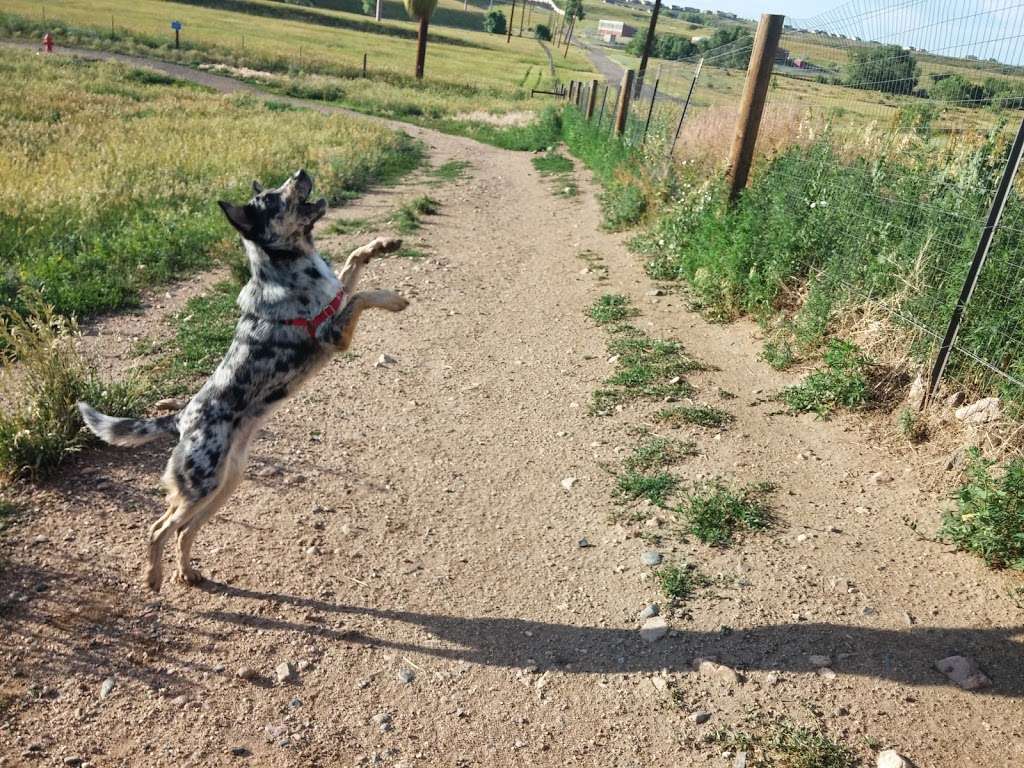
{"points": [[267, 362]]}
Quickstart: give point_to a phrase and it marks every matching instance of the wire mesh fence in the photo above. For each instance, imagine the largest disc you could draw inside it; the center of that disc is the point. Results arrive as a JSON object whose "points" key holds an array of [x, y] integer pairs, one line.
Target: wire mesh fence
{"points": [[903, 115], [887, 130]]}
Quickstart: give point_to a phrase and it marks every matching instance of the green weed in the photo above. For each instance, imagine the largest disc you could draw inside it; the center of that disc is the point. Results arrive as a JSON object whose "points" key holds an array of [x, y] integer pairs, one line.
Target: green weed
{"points": [[842, 383], [913, 425], [646, 368], [348, 226], [715, 511], [407, 219], [595, 264], [679, 583], [41, 378], [657, 452], [408, 252], [700, 415], [989, 515], [453, 170], [551, 163], [779, 354], [656, 487], [612, 308], [777, 741]]}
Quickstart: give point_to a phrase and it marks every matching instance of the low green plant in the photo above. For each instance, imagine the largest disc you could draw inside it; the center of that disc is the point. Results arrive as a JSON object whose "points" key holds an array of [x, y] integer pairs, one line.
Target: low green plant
{"points": [[657, 452], [452, 170], [779, 354], [612, 308], [408, 252], [656, 487], [679, 583], [623, 204], [700, 415], [551, 163], [989, 515], [42, 376], [715, 510], [913, 425], [777, 742], [348, 226], [841, 383], [646, 368], [408, 218]]}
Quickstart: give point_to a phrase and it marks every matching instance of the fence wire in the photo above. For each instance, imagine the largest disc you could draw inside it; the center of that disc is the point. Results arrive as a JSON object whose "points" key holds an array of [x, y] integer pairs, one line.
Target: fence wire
{"points": [[902, 115], [887, 129]]}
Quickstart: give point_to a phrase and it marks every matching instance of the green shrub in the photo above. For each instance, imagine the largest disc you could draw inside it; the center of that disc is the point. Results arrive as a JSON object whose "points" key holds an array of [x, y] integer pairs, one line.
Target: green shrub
{"points": [[494, 22], [612, 308], [542, 32], [715, 511], [656, 487], [842, 383], [700, 415], [989, 515], [679, 583], [623, 205], [43, 377]]}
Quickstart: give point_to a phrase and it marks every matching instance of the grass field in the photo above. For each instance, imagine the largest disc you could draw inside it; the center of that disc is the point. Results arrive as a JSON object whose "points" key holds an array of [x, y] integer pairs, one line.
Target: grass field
{"points": [[318, 52], [109, 175]]}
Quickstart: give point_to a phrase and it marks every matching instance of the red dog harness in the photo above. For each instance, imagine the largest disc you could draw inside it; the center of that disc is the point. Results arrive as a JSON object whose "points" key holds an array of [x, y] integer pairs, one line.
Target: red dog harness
{"points": [[311, 326]]}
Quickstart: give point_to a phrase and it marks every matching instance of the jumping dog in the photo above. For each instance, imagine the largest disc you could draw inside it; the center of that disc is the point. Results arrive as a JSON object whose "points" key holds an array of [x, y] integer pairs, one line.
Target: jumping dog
{"points": [[295, 314]]}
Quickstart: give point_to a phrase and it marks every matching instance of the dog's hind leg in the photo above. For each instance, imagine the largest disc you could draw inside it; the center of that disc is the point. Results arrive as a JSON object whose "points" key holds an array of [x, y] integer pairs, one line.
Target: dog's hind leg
{"points": [[180, 513], [343, 326], [360, 257], [187, 534]]}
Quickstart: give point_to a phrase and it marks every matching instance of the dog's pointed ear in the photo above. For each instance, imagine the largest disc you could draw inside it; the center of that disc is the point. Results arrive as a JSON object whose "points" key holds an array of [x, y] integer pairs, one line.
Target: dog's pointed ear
{"points": [[256, 187], [237, 216]]}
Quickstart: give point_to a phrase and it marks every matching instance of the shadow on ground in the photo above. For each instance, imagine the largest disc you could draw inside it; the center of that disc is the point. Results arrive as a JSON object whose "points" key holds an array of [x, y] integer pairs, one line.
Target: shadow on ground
{"points": [[906, 656]]}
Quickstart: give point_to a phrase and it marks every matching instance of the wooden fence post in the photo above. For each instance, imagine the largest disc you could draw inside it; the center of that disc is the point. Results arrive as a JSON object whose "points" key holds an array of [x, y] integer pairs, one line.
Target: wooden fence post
{"points": [[591, 99], [755, 91], [622, 111]]}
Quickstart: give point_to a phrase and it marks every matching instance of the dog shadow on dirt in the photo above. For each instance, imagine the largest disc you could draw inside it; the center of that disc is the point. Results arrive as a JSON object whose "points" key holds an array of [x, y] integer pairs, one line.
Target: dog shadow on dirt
{"points": [[904, 656]]}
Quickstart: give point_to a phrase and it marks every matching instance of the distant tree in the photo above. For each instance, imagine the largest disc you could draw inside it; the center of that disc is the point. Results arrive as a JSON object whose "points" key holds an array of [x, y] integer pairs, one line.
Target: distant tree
{"points": [[495, 22], [958, 91], [886, 68], [369, 7], [421, 9], [1004, 94], [694, 17], [671, 47], [542, 32], [574, 8]]}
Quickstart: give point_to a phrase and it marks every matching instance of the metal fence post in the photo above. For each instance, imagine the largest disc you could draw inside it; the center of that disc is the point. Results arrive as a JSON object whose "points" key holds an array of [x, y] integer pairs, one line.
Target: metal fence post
{"points": [[755, 91], [981, 253], [591, 99], [650, 110], [604, 98], [686, 105], [622, 111]]}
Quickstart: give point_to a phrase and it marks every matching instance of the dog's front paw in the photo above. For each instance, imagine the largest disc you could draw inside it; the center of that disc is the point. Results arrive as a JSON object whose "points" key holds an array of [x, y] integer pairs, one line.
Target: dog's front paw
{"points": [[396, 303], [385, 245]]}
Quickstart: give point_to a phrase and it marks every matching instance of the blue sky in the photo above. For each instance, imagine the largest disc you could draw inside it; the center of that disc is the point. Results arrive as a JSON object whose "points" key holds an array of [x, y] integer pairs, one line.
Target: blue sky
{"points": [[982, 28]]}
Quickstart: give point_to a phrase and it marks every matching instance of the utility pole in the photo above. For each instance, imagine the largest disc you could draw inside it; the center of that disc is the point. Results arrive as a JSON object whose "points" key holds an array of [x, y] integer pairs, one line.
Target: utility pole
{"points": [[379, 14], [755, 92], [511, 21], [648, 44]]}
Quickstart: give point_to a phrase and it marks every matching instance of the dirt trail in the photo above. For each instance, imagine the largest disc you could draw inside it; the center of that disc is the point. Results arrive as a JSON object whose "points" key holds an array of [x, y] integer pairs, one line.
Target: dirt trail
{"points": [[411, 519]]}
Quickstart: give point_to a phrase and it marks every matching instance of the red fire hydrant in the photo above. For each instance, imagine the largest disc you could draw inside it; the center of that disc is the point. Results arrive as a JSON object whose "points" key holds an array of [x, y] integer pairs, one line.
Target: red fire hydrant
{"points": [[48, 42]]}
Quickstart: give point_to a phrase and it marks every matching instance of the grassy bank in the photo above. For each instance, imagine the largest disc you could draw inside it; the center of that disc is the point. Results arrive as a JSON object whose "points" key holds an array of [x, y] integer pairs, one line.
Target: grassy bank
{"points": [[824, 241], [316, 53], [109, 175]]}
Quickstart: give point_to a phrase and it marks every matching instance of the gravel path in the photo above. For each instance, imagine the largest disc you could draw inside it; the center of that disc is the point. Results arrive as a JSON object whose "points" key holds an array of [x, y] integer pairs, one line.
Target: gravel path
{"points": [[398, 582]]}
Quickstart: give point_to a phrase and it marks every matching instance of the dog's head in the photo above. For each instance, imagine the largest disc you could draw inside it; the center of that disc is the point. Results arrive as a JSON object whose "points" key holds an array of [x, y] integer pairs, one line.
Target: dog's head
{"points": [[281, 219]]}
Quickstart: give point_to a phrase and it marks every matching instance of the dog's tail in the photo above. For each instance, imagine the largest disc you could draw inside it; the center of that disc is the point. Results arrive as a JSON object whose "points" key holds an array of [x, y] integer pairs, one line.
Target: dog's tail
{"points": [[117, 431]]}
